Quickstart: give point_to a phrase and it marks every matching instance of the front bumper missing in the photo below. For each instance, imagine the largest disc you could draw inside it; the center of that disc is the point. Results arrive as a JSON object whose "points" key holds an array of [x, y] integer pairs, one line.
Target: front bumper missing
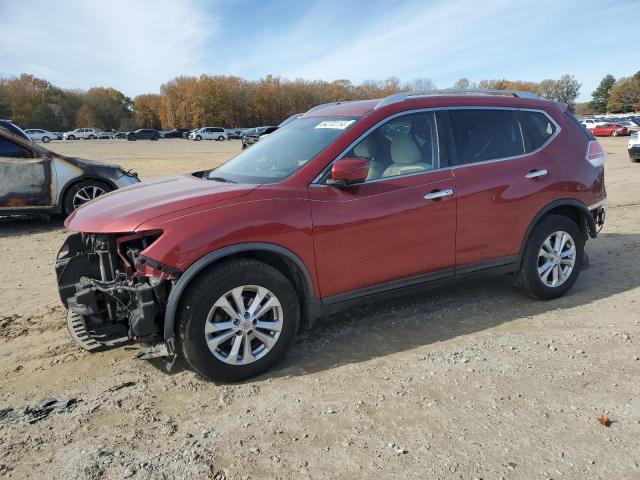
{"points": [[110, 303]]}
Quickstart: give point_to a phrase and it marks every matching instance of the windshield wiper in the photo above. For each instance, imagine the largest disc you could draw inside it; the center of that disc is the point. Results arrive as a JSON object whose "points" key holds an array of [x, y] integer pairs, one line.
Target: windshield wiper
{"points": [[220, 179]]}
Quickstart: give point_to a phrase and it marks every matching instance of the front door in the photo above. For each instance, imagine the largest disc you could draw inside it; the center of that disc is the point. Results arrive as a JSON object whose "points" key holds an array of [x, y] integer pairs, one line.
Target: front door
{"points": [[25, 181], [399, 225]]}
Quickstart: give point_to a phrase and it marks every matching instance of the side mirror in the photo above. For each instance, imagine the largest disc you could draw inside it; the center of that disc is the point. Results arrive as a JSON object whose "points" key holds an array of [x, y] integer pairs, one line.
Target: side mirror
{"points": [[348, 171]]}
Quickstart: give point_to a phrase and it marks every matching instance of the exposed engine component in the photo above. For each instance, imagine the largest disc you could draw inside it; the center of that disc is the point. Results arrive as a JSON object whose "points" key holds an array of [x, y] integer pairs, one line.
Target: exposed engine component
{"points": [[110, 303]]}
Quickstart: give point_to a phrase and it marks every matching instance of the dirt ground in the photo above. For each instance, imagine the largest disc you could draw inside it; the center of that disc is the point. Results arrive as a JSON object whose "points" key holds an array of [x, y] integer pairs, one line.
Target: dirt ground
{"points": [[463, 382]]}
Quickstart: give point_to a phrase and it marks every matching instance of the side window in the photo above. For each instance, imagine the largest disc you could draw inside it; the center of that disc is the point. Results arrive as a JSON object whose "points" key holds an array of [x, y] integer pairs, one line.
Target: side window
{"points": [[402, 146], [537, 129], [485, 134], [12, 150]]}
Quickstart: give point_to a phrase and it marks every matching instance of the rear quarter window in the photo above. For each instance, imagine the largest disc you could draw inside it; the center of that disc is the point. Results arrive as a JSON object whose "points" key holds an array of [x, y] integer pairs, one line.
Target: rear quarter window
{"points": [[537, 129]]}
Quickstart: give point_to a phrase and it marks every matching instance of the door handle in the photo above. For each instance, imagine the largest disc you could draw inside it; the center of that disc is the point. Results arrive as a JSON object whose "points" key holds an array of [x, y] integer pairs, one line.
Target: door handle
{"points": [[438, 194], [536, 174]]}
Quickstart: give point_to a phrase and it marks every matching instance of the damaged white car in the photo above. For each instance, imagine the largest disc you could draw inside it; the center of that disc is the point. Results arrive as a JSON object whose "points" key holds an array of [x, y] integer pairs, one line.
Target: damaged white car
{"points": [[34, 179]]}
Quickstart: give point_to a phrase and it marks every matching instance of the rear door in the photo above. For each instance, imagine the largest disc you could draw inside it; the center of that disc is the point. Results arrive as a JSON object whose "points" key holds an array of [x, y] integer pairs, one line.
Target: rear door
{"points": [[503, 178], [26, 180]]}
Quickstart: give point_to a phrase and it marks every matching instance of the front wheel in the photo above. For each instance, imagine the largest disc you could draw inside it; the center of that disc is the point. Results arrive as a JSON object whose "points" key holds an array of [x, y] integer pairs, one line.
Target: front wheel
{"points": [[46, 139], [198, 138], [552, 258], [237, 320], [82, 192], [71, 137]]}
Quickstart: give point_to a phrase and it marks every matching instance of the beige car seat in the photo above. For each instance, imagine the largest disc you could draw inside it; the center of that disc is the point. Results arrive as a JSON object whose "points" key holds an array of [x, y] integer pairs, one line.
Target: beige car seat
{"points": [[406, 157], [367, 149]]}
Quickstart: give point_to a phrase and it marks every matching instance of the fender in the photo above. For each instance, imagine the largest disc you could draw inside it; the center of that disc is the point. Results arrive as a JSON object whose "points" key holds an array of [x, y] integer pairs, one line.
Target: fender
{"points": [[310, 306], [565, 202]]}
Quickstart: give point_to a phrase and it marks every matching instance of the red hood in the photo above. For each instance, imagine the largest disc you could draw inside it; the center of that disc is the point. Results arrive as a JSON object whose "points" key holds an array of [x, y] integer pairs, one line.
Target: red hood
{"points": [[124, 210]]}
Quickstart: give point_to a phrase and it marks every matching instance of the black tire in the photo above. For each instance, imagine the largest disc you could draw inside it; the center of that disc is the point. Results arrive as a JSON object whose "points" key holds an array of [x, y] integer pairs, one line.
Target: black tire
{"points": [[220, 138], [528, 278], [76, 187], [92, 137], [198, 138], [132, 138], [46, 139], [71, 137], [200, 298]]}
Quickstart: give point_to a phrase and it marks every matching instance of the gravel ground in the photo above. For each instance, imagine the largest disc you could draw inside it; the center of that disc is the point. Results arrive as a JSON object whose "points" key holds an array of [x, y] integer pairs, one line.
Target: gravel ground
{"points": [[468, 381]]}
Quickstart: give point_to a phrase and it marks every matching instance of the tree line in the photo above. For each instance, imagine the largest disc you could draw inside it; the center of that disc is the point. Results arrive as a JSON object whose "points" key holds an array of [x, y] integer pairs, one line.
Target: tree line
{"points": [[230, 101]]}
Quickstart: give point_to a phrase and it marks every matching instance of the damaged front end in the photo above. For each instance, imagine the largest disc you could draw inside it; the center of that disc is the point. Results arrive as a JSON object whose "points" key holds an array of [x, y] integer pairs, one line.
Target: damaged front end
{"points": [[115, 296]]}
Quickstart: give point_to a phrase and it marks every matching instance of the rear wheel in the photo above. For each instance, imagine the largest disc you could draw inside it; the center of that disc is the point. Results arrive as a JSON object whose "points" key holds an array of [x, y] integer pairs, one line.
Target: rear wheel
{"points": [[220, 138], [237, 320], [552, 258], [82, 192], [92, 137]]}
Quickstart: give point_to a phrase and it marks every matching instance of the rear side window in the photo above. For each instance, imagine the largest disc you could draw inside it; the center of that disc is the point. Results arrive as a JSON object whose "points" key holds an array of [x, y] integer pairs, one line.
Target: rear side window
{"points": [[584, 129], [537, 129], [485, 134]]}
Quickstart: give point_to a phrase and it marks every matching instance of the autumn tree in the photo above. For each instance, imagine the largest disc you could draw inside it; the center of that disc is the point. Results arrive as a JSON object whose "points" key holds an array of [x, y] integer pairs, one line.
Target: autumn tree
{"points": [[600, 96], [625, 95], [147, 111]]}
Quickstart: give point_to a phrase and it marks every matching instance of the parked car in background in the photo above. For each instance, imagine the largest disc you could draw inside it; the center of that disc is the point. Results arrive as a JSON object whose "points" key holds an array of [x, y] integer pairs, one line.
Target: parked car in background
{"points": [[143, 134], [253, 135], [234, 133], [609, 130], [330, 212], [634, 147], [593, 122], [104, 135], [36, 180], [120, 135], [81, 133], [41, 135], [209, 133], [629, 125], [176, 133]]}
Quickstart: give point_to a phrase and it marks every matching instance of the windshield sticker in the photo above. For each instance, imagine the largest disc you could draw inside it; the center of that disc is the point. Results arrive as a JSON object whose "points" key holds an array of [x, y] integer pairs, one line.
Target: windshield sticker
{"points": [[337, 124]]}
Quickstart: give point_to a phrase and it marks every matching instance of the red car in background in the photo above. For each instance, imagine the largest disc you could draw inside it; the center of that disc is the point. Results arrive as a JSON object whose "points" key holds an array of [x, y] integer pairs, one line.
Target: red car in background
{"points": [[609, 130]]}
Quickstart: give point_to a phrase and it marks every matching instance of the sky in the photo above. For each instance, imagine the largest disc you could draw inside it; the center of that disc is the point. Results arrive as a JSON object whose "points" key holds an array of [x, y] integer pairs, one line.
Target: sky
{"points": [[135, 46]]}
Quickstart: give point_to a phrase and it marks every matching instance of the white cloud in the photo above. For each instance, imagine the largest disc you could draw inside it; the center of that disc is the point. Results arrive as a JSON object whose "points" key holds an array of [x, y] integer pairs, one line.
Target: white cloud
{"points": [[130, 45]]}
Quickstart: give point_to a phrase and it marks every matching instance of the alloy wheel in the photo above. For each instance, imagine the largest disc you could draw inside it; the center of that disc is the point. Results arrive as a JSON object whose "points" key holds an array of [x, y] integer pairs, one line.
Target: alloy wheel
{"points": [[85, 194], [556, 259], [244, 325]]}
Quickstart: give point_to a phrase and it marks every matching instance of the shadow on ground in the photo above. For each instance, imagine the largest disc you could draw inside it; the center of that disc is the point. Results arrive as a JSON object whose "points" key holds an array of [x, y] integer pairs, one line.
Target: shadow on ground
{"points": [[439, 314]]}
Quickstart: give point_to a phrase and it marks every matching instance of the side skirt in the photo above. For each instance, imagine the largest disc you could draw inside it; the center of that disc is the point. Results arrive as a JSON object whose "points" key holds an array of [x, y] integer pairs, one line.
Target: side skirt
{"points": [[408, 286]]}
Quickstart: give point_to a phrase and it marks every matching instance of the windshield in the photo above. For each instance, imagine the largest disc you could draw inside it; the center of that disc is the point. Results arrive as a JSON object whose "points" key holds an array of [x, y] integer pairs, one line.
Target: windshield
{"points": [[284, 151]]}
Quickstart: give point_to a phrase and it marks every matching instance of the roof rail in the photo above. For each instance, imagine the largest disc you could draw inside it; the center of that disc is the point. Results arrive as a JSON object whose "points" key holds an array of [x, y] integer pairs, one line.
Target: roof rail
{"points": [[326, 105], [401, 96]]}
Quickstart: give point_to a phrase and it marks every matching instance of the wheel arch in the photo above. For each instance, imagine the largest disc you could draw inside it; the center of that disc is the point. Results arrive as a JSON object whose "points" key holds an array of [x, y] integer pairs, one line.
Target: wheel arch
{"points": [[277, 256], [569, 207], [70, 183]]}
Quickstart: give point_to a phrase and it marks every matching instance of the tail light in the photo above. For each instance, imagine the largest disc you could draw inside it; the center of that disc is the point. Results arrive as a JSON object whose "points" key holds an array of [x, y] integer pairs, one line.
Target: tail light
{"points": [[596, 153]]}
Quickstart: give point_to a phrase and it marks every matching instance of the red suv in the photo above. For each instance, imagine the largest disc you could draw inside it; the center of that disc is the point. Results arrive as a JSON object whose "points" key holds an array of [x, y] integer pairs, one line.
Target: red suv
{"points": [[350, 201]]}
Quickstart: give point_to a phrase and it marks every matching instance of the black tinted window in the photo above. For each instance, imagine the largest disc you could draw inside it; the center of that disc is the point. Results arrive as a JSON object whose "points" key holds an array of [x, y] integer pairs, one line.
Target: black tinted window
{"points": [[538, 129], [482, 135], [10, 149]]}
